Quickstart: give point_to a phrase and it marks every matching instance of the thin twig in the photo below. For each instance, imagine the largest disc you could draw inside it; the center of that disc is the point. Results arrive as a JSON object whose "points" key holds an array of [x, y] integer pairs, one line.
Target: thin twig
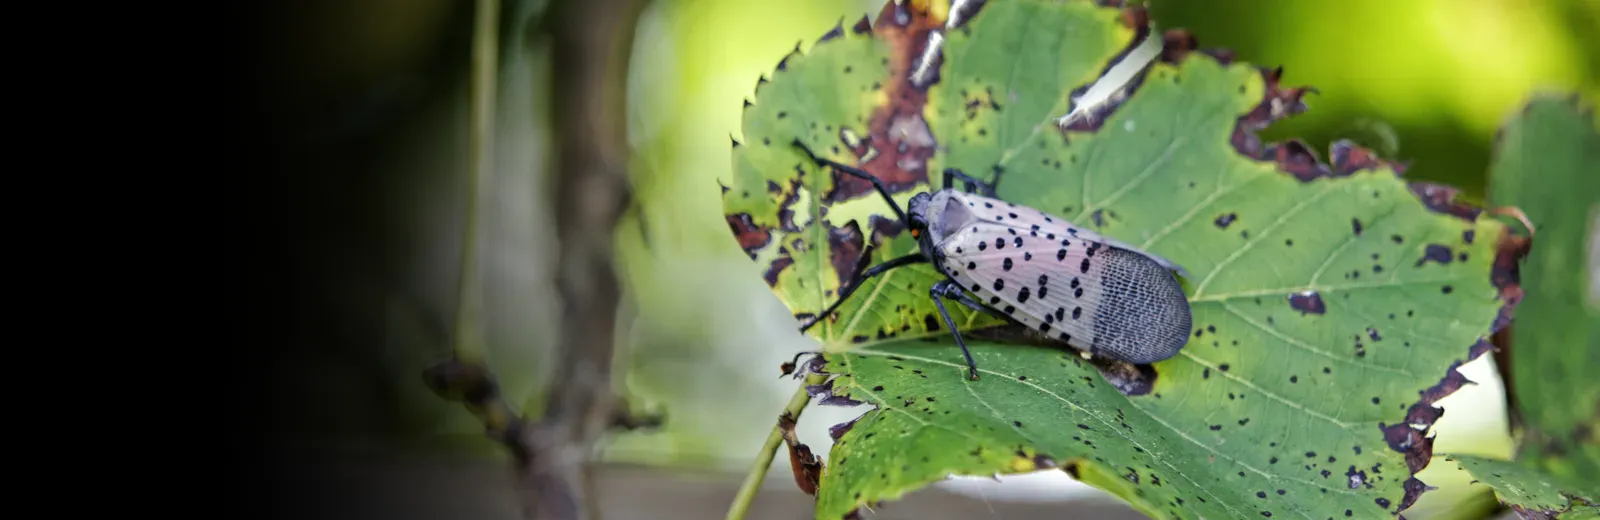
{"points": [[763, 463], [466, 377], [468, 342]]}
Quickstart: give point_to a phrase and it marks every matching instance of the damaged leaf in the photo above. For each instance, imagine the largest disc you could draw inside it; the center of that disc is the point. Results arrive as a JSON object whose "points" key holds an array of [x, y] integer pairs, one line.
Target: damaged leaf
{"points": [[1548, 165], [1332, 301], [1532, 494], [806, 466]]}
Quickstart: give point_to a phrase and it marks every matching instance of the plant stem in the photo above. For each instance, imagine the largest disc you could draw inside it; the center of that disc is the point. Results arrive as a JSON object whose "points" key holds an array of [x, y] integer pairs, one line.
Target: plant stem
{"points": [[467, 342], [758, 471]]}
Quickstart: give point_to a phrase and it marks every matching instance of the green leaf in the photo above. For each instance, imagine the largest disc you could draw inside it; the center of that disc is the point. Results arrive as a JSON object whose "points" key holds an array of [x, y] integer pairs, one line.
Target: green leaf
{"points": [[1548, 164], [1332, 302], [1530, 492]]}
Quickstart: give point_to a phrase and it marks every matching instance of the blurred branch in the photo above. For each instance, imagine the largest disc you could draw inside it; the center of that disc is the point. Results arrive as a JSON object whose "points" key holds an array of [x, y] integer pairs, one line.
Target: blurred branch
{"points": [[590, 43], [590, 46]]}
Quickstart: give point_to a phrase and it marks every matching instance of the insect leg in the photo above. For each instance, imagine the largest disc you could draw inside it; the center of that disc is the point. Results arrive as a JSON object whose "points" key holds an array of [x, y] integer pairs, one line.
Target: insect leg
{"points": [[913, 258], [955, 293], [938, 293], [860, 174], [951, 175]]}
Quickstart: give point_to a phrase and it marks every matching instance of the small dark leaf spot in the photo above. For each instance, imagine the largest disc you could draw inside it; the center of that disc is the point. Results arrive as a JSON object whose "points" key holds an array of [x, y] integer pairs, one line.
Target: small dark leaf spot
{"points": [[1382, 502], [1397, 239], [878, 388], [1294, 379], [1375, 400], [1261, 494], [1223, 367], [1355, 224], [1016, 423], [1226, 219], [1435, 253], [1307, 302], [1446, 289], [1216, 427]]}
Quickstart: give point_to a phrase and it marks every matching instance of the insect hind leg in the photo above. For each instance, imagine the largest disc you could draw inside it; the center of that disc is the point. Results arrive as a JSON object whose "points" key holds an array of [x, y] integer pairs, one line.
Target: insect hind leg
{"points": [[951, 175], [939, 292]]}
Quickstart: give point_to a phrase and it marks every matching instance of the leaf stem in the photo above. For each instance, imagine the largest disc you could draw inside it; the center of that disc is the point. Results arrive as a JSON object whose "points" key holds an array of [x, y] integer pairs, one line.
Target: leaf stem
{"points": [[758, 470]]}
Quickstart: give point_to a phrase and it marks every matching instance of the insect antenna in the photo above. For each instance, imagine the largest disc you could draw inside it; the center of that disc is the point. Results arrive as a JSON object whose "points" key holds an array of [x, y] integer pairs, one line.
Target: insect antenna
{"points": [[859, 174]]}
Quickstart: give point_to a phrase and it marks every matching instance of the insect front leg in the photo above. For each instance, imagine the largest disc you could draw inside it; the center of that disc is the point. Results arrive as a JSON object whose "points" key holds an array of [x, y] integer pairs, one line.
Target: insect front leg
{"points": [[973, 184], [913, 258], [939, 292], [860, 174]]}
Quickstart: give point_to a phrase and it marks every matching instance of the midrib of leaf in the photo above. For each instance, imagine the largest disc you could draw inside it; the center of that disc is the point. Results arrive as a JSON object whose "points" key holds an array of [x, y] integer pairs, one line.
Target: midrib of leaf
{"points": [[1219, 193], [1132, 184], [1280, 291], [883, 405], [1256, 239], [1273, 331], [1270, 395]]}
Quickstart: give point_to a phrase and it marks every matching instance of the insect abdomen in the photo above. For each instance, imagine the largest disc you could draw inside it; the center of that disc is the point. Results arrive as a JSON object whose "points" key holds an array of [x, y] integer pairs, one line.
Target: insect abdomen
{"points": [[1143, 316]]}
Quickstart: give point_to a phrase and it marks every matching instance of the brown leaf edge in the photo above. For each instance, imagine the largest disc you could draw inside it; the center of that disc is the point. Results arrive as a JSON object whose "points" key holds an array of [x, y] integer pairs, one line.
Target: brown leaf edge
{"points": [[1295, 157], [806, 466], [906, 27]]}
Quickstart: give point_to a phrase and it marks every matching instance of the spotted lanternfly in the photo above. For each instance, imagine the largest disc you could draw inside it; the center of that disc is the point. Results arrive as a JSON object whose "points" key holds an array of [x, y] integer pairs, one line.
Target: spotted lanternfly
{"points": [[1096, 294]]}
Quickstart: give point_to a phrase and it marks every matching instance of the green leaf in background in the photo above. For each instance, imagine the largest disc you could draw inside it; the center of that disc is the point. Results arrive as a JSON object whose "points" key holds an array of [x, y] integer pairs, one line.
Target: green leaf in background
{"points": [[1532, 494], [1332, 302], [1548, 165]]}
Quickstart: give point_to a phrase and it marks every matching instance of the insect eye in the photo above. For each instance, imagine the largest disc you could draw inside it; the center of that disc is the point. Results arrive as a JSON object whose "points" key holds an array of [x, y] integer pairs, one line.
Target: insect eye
{"points": [[916, 233]]}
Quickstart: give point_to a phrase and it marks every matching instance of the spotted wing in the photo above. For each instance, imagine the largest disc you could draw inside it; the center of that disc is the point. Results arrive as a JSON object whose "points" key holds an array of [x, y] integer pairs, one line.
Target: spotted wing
{"points": [[1097, 297]]}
